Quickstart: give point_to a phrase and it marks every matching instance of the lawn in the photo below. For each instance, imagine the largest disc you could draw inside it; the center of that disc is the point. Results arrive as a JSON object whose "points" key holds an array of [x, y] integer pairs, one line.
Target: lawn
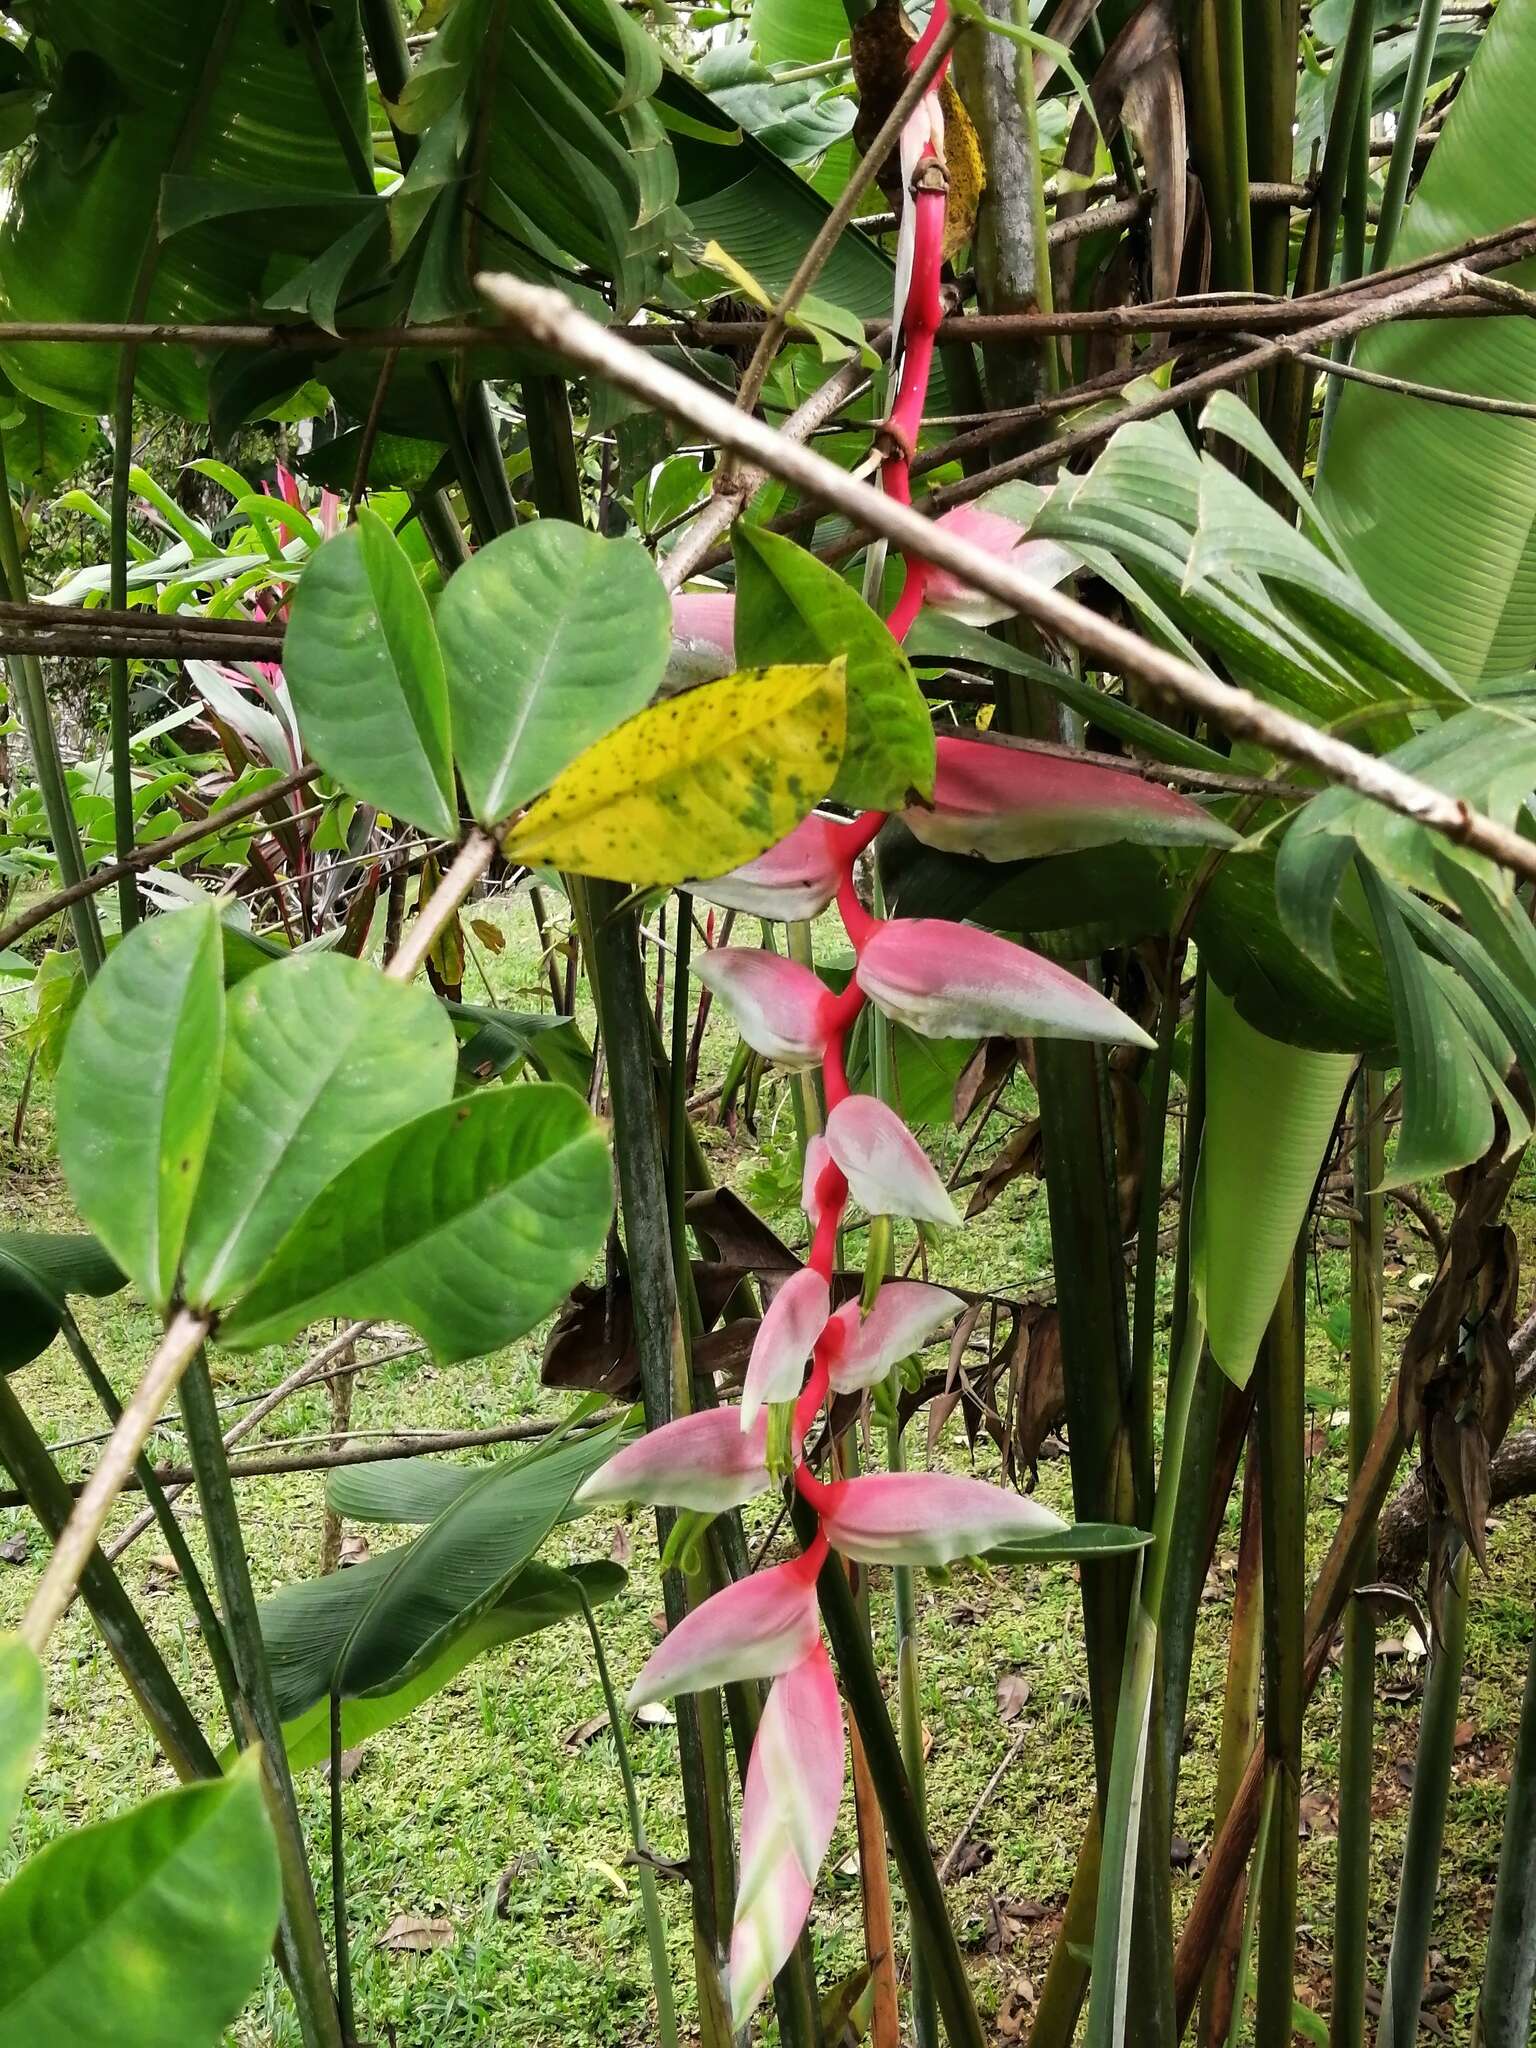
{"points": [[490, 1898]]}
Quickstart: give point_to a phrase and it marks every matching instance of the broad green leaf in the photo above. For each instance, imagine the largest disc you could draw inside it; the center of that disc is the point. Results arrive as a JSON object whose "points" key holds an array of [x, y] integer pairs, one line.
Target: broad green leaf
{"points": [[550, 636], [1447, 1121], [695, 785], [790, 607], [376, 1626], [492, 1042], [137, 1089], [37, 1270], [1436, 508], [22, 1712], [416, 1490], [1270, 1110], [538, 1597], [366, 677], [322, 1057], [1078, 1539], [469, 1223], [147, 1929]]}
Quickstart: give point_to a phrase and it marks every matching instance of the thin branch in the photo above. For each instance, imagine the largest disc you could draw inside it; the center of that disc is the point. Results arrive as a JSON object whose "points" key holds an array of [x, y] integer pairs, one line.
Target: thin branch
{"points": [[181, 1343], [469, 864], [152, 853], [1407, 387], [553, 322]]}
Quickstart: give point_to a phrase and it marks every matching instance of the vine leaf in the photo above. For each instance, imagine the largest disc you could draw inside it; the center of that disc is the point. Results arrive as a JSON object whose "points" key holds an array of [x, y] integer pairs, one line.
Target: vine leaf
{"points": [[469, 1224], [795, 608], [366, 677], [550, 636], [695, 785], [136, 1093], [322, 1056]]}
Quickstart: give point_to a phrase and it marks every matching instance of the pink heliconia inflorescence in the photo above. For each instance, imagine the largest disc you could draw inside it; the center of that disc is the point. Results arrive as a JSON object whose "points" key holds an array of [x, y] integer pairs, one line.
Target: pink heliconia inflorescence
{"points": [[942, 979], [1047, 561]]}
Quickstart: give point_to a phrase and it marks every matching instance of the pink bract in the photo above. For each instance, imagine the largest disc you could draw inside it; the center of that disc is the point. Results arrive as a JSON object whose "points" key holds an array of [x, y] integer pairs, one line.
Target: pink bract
{"points": [[1046, 561], [706, 1461], [888, 1172], [1006, 803], [788, 1811], [791, 1324], [927, 1518], [905, 1316], [757, 1628], [795, 879], [703, 637], [782, 1009], [954, 981]]}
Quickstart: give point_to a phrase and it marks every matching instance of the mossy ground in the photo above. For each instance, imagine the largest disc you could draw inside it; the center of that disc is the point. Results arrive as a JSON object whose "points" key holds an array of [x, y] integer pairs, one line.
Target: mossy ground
{"points": [[488, 1794]]}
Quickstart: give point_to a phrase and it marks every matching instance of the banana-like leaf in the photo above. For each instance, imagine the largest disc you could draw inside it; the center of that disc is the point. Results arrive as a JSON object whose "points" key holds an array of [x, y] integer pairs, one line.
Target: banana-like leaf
{"points": [[148, 1928], [37, 1270], [379, 1625], [538, 1597], [83, 214], [1436, 508], [1270, 1110]]}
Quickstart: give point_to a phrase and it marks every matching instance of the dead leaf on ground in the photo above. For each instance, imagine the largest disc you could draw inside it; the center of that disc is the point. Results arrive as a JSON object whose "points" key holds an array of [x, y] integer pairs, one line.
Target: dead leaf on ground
{"points": [[351, 1761], [1316, 1814], [14, 1549], [1012, 1695], [621, 1550], [410, 1934], [162, 1571], [354, 1550], [583, 1733]]}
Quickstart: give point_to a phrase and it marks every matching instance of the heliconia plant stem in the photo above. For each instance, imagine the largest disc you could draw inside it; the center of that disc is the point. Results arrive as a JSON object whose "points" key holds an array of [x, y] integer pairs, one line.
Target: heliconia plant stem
{"points": [[1351, 1904], [1509, 1973], [1419, 1877], [1239, 1723]]}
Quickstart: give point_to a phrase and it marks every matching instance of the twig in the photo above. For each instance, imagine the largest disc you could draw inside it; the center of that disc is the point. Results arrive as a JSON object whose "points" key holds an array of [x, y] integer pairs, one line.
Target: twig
{"points": [[469, 864], [551, 320], [952, 1854], [151, 854], [1407, 387], [77, 1539]]}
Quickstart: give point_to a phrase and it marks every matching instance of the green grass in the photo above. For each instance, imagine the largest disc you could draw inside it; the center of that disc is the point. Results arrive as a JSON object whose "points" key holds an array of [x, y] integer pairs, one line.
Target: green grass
{"points": [[485, 1793]]}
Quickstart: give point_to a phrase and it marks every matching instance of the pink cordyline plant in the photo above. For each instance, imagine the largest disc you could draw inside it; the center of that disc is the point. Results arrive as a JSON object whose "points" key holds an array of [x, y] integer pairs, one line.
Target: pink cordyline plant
{"points": [[938, 978]]}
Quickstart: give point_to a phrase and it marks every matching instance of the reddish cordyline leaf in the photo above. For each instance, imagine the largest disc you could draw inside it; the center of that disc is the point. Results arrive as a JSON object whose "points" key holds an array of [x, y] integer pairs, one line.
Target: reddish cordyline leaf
{"points": [[703, 637], [706, 1461], [788, 1811], [757, 1628], [782, 1009], [1006, 803], [905, 1315], [793, 1321], [1046, 561], [926, 1517], [795, 879], [953, 981], [888, 1172]]}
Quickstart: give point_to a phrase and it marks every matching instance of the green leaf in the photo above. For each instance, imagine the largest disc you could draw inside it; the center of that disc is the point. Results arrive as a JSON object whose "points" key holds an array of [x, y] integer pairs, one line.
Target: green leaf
{"points": [[695, 785], [37, 1269], [492, 1041], [1078, 1539], [322, 1057], [1435, 508], [469, 1223], [1447, 1121], [85, 202], [377, 1625], [366, 677], [136, 1093], [538, 1597], [22, 1713], [1270, 1110], [791, 607], [146, 1929], [550, 636]]}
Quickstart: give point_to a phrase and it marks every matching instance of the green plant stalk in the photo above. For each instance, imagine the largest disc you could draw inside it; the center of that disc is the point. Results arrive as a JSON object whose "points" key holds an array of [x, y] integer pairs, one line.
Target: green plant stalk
{"points": [[167, 1714], [1352, 1878], [655, 1926], [1509, 1973], [1409, 114], [1352, 259], [1239, 1721], [1066, 1976], [209, 1624], [551, 448], [1144, 1296], [1250, 1913], [303, 1939], [345, 2009], [1270, 35], [1281, 1422], [677, 1120], [909, 1841], [812, 1108], [610, 941], [42, 743], [1211, 35], [1418, 1879], [1112, 1973]]}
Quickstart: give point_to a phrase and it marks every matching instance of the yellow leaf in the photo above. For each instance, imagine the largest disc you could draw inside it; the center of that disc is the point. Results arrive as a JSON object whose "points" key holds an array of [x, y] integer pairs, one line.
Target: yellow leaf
{"points": [[697, 784]]}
